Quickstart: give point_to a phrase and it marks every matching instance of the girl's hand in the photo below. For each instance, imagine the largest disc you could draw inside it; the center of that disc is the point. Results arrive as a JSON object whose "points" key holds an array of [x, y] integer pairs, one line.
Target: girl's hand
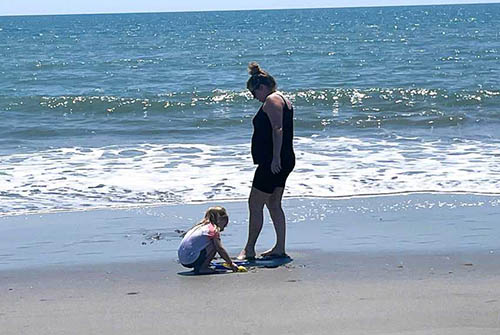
{"points": [[276, 165], [234, 267]]}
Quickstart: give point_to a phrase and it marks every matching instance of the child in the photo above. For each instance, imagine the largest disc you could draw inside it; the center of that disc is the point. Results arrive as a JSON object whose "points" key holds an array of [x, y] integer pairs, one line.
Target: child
{"points": [[202, 242]]}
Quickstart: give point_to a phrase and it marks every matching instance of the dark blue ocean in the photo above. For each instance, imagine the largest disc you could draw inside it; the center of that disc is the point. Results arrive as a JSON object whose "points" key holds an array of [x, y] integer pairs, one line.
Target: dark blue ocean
{"points": [[130, 109]]}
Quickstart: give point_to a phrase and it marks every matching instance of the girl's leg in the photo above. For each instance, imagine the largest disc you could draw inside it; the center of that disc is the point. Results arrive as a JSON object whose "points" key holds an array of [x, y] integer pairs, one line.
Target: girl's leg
{"points": [[256, 202], [205, 266], [278, 216]]}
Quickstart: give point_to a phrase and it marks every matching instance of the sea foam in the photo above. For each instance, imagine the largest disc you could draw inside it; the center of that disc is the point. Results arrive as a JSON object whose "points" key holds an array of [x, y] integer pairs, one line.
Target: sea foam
{"points": [[76, 178]]}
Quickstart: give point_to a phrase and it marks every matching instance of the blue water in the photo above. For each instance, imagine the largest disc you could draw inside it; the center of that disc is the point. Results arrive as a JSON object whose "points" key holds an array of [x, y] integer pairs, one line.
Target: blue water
{"points": [[126, 109]]}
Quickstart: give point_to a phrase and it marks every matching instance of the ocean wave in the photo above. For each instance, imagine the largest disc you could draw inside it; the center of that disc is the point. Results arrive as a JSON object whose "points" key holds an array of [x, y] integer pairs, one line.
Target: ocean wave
{"points": [[75, 178], [328, 97], [179, 114], [362, 101]]}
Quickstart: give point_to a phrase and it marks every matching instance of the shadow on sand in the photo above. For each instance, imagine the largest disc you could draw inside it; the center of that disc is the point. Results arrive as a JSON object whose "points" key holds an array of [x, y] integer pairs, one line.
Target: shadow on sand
{"points": [[261, 262]]}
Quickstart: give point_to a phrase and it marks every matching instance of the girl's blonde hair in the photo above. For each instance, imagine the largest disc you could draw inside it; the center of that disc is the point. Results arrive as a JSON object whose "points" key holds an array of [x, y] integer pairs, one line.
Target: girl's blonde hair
{"points": [[213, 213], [259, 77], [211, 216]]}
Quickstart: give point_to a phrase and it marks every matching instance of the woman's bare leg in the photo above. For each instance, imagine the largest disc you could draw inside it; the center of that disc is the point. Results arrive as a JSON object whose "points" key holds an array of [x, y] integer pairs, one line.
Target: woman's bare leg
{"points": [[278, 216], [256, 202]]}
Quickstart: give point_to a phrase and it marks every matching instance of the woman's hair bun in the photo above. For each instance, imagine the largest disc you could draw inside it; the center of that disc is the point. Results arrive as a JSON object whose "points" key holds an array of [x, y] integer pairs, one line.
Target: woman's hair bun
{"points": [[259, 77], [254, 69]]}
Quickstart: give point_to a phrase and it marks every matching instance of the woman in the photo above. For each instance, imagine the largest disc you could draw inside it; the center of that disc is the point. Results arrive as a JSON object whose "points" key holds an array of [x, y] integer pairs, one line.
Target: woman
{"points": [[272, 151]]}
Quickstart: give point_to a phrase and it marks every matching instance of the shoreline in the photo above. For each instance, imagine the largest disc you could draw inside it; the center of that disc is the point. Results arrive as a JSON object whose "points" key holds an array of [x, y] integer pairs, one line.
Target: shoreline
{"points": [[285, 197]]}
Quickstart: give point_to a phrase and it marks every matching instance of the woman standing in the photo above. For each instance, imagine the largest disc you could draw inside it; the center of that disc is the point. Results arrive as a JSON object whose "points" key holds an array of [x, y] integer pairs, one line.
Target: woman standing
{"points": [[272, 151]]}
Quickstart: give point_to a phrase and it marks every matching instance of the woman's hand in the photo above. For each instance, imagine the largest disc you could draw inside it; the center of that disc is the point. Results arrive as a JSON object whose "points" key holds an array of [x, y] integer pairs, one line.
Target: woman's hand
{"points": [[276, 165]]}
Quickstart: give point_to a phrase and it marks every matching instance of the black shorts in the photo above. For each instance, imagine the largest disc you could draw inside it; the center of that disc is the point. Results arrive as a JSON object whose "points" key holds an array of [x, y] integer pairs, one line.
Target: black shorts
{"points": [[266, 181], [199, 261]]}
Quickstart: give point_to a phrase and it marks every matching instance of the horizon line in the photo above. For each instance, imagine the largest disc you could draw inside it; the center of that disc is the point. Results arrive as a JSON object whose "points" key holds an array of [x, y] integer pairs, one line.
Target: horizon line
{"points": [[253, 9]]}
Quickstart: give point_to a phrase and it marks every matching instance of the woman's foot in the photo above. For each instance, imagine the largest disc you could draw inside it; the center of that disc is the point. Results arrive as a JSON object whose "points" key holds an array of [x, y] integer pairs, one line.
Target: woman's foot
{"points": [[274, 253], [246, 255]]}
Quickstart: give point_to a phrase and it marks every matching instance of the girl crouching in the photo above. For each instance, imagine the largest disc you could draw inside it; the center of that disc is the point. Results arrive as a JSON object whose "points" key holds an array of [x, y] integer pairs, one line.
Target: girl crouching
{"points": [[202, 242]]}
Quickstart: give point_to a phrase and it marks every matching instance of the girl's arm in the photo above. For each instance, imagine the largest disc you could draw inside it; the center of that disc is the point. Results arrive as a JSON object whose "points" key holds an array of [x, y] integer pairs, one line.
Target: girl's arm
{"points": [[273, 107], [223, 253]]}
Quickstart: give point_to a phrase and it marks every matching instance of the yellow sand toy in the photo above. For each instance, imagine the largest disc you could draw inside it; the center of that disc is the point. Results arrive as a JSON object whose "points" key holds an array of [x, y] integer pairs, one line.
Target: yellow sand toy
{"points": [[241, 268]]}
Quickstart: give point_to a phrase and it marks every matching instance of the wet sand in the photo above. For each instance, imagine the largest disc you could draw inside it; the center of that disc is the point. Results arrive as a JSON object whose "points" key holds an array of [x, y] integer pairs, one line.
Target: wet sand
{"points": [[416, 264], [418, 223]]}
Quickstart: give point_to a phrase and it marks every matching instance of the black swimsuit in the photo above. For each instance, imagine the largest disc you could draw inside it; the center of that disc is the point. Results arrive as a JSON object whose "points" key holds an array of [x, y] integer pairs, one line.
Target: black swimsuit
{"points": [[262, 150]]}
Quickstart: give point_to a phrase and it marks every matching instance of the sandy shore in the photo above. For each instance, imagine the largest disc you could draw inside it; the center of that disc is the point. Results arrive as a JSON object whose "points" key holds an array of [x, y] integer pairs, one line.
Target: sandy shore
{"points": [[318, 293], [415, 264]]}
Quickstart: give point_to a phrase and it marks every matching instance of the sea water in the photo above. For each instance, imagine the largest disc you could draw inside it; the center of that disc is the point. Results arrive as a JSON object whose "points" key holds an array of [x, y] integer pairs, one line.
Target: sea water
{"points": [[132, 109]]}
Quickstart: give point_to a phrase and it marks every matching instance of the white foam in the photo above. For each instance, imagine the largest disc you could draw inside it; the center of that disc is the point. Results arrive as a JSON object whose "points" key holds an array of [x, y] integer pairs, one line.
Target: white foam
{"points": [[76, 178]]}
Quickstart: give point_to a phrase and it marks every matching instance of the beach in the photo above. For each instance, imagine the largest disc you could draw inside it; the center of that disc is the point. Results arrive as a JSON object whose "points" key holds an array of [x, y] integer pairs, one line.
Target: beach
{"points": [[441, 281], [119, 131]]}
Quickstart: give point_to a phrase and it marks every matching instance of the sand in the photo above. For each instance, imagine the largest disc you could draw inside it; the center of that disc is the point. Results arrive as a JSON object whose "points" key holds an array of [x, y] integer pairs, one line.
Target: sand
{"points": [[318, 293], [371, 269]]}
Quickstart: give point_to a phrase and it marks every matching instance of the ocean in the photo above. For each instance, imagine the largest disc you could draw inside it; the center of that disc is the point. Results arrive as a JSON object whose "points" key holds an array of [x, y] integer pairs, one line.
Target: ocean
{"points": [[104, 111]]}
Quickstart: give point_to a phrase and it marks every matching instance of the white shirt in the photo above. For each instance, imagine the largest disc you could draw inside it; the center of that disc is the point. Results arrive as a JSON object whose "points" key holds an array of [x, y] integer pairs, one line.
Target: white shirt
{"points": [[195, 241]]}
